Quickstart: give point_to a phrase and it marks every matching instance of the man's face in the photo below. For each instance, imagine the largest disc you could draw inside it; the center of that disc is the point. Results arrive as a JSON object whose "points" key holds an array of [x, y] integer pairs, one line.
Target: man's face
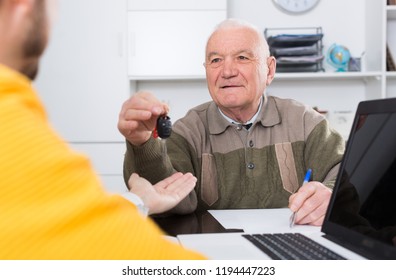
{"points": [[236, 71], [36, 38]]}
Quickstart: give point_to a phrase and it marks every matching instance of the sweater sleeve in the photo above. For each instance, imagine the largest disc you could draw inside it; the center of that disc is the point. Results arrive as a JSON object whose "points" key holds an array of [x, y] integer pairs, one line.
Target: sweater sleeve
{"points": [[152, 161], [323, 153], [149, 161]]}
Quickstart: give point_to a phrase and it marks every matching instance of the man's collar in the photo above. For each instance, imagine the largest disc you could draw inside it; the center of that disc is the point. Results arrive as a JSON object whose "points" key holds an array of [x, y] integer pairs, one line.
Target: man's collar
{"points": [[267, 115], [216, 122], [249, 121]]}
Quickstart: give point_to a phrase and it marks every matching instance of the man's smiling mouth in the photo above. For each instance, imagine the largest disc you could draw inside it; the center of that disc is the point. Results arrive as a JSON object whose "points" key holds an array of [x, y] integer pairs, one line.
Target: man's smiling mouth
{"points": [[230, 86]]}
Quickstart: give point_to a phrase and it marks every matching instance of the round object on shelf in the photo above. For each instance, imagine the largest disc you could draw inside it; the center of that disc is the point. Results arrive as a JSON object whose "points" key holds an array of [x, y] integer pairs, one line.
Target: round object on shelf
{"points": [[338, 56]]}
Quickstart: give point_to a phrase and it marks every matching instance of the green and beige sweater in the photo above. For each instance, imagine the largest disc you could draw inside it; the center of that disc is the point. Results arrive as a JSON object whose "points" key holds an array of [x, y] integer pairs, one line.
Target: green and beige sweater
{"points": [[239, 168]]}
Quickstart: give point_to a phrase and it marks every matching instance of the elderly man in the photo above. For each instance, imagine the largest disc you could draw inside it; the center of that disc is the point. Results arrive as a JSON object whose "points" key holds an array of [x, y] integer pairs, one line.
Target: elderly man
{"points": [[53, 205], [247, 149]]}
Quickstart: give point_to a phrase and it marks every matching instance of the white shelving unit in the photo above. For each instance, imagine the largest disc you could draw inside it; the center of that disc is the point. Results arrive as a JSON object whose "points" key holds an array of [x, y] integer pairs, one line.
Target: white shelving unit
{"points": [[391, 40], [367, 75]]}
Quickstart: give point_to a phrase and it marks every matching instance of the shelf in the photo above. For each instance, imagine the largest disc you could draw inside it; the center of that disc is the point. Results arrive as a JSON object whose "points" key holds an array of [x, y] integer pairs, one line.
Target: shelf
{"points": [[166, 78], [391, 74], [329, 76], [279, 76], [391, 11]]}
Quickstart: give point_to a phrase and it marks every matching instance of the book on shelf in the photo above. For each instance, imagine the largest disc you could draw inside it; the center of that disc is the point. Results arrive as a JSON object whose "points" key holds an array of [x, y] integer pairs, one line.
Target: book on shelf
{"points": [[391, 2], [390, 62]]}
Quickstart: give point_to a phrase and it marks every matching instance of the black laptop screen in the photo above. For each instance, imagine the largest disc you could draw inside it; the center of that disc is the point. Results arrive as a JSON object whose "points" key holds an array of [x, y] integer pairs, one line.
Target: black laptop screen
{"points": [[365, 193]]}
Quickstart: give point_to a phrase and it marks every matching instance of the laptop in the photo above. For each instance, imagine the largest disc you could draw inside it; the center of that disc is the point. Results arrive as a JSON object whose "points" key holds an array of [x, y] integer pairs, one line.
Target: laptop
{"points": [[360, 222]]}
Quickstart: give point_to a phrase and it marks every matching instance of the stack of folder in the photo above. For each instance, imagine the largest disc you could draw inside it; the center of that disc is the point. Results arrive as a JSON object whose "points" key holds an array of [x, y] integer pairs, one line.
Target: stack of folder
{"points": [[297, 52], [390, 63]]}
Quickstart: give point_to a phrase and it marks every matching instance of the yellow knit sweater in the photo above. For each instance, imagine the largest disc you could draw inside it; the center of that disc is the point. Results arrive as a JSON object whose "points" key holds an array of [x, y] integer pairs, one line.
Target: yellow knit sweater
{"points": [[52, 205]]}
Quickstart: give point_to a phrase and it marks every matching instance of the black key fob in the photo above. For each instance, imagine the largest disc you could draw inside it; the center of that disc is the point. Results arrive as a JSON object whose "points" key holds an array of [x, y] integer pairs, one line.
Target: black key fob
{"points": [[164, 126]]}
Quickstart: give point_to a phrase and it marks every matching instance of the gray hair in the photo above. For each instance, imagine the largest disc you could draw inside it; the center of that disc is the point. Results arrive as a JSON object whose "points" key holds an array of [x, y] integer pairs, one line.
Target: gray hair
{"points": [[233, 23]]}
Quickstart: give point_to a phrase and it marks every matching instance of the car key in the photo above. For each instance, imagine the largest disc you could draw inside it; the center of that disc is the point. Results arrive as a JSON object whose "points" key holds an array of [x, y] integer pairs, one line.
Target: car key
{"points": [[164, 126], [163, 130]]}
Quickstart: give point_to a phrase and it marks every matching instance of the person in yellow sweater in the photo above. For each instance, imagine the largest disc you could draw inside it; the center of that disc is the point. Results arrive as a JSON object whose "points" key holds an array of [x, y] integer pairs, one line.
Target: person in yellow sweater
{"points": [[52, 204]]}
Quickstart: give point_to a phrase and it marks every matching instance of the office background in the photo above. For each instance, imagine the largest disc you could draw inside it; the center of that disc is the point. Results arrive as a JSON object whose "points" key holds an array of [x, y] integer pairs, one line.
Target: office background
{"points": [[101, 51]]}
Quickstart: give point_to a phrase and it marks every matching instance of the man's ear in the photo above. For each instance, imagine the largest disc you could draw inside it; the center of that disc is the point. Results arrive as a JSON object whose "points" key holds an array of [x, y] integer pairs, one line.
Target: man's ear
{"points": [[271, 64]]}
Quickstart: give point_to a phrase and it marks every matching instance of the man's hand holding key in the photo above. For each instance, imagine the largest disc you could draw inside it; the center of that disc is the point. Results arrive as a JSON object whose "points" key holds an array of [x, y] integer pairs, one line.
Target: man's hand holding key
{"points": [[138, 117]]}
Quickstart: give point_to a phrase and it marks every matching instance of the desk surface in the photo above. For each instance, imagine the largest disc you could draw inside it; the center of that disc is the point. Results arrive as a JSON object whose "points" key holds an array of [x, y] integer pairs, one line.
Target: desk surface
{"points": [[259, 220], [229, 244], [198, 222], [226, 221]]}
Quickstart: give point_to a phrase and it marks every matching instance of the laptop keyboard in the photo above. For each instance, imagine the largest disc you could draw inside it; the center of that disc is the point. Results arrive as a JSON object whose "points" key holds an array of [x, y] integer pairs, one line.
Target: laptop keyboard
{"points": [[291, 246]]}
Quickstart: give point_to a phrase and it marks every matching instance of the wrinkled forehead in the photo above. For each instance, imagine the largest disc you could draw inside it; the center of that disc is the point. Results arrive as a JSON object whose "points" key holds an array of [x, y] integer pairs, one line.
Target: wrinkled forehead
{"points": [[234, 40]]}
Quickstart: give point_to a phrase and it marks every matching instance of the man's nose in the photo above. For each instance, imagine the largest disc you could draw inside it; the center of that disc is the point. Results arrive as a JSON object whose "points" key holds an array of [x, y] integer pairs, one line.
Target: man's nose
{"points": [[230, 68]]}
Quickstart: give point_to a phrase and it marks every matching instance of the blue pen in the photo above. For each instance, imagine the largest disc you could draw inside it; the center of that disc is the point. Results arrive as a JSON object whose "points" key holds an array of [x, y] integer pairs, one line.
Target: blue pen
{"points": [[306, 180], [307, 176]]}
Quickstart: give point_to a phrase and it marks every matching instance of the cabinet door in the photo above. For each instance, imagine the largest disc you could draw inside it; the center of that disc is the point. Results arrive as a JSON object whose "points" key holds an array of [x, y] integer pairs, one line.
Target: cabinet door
{"points": [[83, 77], [169, 43], [139, 5]]}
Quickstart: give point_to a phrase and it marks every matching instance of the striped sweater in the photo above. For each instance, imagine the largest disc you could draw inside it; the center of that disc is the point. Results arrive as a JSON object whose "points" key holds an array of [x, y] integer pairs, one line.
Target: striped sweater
{"points": [[238, 168]]}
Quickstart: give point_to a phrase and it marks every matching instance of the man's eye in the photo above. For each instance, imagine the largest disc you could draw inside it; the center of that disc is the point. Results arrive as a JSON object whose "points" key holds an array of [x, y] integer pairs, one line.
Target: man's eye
{"points": [[241, 57], [215, 60]]}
